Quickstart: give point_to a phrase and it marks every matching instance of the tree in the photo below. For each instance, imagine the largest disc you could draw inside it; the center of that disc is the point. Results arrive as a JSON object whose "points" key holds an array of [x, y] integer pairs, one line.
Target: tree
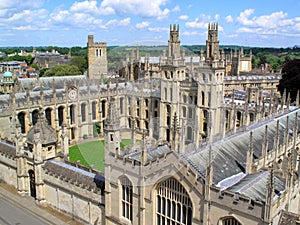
{"points": [[80, 62], [290, 80], [62, 70], [42, 71]]}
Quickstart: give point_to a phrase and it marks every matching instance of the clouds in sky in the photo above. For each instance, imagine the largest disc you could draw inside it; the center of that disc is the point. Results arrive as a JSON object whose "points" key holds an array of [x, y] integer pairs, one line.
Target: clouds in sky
{"points": [[153, 16]]}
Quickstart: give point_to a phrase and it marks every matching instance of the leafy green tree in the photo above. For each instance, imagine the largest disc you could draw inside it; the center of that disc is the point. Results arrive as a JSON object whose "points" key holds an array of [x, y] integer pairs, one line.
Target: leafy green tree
{"points": [[35, 66], [290, 80], [80, 62], [42, 72], [62, 70]]}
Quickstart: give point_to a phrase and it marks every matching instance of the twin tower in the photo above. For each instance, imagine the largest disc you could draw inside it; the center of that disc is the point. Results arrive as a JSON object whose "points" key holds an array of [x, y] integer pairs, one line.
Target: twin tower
{"points": [[97, 56]]}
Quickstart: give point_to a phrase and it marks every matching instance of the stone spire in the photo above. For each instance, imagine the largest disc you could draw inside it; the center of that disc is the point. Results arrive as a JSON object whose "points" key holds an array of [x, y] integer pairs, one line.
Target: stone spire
{"points": [[112, 130], [269, 194], [112, 121], [249, 159]]}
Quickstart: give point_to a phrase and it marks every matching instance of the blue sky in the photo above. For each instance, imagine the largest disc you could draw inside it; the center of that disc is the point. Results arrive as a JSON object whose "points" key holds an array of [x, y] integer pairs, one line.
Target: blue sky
{"points": [[268, 23]]}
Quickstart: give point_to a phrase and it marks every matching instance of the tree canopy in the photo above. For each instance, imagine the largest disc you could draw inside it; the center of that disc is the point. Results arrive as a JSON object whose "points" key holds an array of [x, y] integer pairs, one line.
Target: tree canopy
{"points": [[62, 70], [80, 62], [290, 80]]}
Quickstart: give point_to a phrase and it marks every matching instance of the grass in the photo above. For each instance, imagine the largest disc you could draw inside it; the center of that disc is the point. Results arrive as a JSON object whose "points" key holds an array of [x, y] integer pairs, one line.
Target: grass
{"points": [[92, 153]]}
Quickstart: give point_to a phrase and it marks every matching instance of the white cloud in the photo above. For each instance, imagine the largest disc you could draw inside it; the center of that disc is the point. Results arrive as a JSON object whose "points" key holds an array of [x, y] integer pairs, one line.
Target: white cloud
{"points": [[61, 16], [274, 23], [114, 22], [188, 33], [158, 29], [143, 8], [217, 17], [196, 24], [229, 18], [91, 7], [142, 25], [176, 9], [124, 22], [184, 17], [243, 18], [66, 19], [28, 27]]}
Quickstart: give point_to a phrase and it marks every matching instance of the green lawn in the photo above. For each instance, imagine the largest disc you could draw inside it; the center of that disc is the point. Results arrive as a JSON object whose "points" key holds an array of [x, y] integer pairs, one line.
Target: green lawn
{"points": [[91, 153]]}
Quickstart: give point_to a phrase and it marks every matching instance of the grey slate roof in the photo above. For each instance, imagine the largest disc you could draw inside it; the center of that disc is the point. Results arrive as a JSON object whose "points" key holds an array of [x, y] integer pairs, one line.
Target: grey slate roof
{"points": [[254, 186], [7, 149], [229, 157], [152, 153], [229, 154]]}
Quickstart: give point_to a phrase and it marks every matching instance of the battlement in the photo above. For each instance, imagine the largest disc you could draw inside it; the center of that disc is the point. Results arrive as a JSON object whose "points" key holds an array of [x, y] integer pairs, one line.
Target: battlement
{"points": [[174, 27], [213, 26]]}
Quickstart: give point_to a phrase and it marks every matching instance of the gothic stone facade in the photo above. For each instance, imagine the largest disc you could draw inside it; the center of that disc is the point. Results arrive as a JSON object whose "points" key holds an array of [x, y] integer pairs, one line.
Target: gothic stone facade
{"points": [[201, 161]]}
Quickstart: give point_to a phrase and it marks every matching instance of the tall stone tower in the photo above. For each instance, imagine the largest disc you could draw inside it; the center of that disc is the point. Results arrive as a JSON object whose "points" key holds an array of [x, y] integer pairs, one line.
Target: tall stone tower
{"points": [[212, 43], [174, 42], [97, 59]]}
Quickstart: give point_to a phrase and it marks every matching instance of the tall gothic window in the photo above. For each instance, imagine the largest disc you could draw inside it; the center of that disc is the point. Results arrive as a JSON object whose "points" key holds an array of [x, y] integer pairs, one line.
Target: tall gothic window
{"points": [[60, 115], [34, 116], [94, 110], [126, 198], [173, 204], [103, 108], [48, 113], [72, 114], [21, 118], [83, 112], [121, 106], [230, 221]]}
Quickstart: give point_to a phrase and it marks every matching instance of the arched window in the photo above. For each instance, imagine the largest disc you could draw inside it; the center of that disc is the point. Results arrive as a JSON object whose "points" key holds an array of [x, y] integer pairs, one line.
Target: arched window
{"points": [[121, 106], [94, 110], [48, 113], [103, 108], [21, 118], [230, 221], [190, 113], [60, 115], [202, 98], [83, 112], [189, 133], [126, 198], [173, 204], [184, 99], [72, 114], [251, 117], [34, 116], [183, 111]]}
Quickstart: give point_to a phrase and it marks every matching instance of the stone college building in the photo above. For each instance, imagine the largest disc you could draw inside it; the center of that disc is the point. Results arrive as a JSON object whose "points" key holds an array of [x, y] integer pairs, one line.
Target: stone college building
{"points": [[201, 159]]}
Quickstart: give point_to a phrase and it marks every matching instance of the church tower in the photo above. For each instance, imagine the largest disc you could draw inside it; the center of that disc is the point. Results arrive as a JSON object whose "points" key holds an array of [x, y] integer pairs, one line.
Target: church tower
{"points": [[212, 43], [174, 42], [97, 59]]}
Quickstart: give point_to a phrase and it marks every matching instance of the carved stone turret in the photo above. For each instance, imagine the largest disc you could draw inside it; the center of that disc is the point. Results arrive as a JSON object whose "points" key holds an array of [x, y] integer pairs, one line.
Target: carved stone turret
{"points": [[45, 135], [41, 140], [112, 130]]}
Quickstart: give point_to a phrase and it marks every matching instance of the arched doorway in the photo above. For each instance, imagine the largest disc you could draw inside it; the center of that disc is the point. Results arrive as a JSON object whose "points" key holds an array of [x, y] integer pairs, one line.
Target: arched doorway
{"points": [[32, 183]]}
